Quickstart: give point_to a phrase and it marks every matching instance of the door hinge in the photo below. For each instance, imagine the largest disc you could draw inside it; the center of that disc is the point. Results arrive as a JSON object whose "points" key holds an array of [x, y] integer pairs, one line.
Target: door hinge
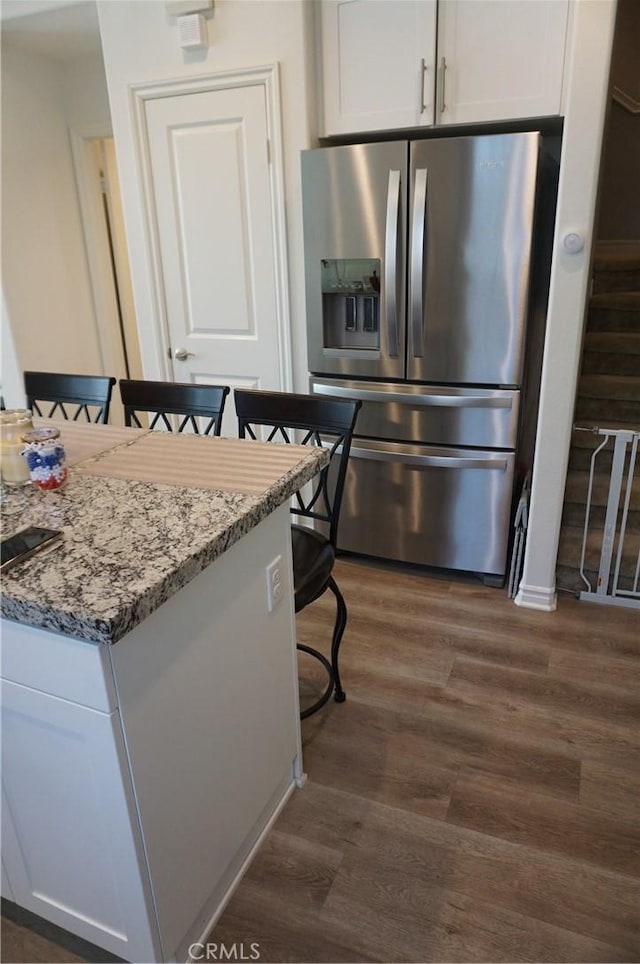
{"points": [[268, 151], [169, 352], [103, 184]]}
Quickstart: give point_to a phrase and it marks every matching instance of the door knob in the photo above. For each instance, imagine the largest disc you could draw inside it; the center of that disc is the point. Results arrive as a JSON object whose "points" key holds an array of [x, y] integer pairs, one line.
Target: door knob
{"points": [[182, 354]]}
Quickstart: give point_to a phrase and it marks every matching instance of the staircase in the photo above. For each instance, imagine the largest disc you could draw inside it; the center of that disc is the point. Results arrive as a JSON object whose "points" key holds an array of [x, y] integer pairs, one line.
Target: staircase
{"points": [[608, 397]]}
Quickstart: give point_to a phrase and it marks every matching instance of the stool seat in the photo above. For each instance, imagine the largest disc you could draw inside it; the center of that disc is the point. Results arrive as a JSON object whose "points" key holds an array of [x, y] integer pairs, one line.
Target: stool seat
{"points": [[313, 560]]}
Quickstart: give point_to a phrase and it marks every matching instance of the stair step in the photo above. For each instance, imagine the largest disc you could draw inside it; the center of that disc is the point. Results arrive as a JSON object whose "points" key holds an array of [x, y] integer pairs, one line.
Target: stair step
{"points": [[614, 342], [603, 363], [577, 487], [599, 411], [606, 398], [570, 548], [616, 255], [617, 300], [620, 313], [573, 514], [613, 319], [603, 411], [622, 387], [626, 279]]}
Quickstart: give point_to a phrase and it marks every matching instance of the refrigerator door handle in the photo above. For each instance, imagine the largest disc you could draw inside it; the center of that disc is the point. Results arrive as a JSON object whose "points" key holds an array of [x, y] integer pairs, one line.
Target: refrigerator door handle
{"points": [[418, 236], [426, 401], [391, 262], [430, 461]]}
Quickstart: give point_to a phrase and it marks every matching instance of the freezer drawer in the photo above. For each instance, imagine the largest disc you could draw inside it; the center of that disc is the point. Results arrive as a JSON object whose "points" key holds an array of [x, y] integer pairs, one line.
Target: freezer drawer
{"points": [[432, 506], [430, 414]]}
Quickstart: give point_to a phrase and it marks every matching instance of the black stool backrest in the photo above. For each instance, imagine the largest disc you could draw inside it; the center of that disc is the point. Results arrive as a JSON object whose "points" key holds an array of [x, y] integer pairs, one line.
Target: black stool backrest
{"points": [[174, 398], [83, 391], [305, 420]]}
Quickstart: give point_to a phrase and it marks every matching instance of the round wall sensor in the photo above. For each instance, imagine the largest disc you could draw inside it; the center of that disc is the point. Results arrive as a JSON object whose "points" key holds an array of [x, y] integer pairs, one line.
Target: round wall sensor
{"points": [[573, 242]]}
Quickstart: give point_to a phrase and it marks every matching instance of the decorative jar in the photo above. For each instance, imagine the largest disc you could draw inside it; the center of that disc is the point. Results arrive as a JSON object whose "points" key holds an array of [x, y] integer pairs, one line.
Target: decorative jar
{"points": [[45, 457], [14, 422]]}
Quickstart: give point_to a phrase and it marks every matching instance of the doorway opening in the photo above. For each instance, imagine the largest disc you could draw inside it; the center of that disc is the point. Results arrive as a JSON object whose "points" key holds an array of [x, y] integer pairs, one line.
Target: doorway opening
{"points": [[107, 255]]}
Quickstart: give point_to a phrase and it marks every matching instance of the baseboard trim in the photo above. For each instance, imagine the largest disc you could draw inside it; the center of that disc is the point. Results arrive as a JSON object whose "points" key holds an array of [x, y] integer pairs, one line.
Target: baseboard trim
{"points": [[537, 597]]}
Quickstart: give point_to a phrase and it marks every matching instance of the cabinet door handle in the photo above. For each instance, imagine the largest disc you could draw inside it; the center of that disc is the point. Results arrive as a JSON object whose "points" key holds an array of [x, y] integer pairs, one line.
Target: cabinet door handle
{"points": [[443, 70], [423, 74]]}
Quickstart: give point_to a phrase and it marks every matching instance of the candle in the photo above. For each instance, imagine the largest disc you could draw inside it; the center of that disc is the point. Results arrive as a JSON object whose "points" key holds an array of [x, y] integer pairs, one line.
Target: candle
{"points": [[13, 424]]}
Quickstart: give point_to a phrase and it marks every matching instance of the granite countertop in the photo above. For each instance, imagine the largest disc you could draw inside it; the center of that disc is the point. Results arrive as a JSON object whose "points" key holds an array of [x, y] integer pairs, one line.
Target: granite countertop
{"points": [[129, 545]]}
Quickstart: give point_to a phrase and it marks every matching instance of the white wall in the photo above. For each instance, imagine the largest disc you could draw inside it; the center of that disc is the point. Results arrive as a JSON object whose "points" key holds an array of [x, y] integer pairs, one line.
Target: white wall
{"points": [[585, 106], [140, 45], [45, 280], [11, 384], [84, 92]]}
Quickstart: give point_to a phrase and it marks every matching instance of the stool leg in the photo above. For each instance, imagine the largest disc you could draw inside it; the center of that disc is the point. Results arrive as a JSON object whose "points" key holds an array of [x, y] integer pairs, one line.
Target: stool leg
{"points": [[338, 630]]}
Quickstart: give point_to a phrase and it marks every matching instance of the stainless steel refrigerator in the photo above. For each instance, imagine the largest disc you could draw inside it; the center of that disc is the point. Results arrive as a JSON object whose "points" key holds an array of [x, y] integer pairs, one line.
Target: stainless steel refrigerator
{"points": [[418, 275]]}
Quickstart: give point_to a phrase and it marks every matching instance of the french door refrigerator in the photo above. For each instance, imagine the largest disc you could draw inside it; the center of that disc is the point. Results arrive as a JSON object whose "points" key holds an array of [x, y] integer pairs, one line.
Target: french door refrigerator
{"points": [[418, 264]]}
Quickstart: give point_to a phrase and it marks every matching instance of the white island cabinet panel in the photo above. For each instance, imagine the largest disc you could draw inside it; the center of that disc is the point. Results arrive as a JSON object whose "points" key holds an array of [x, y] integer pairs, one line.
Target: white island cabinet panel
{"points": [[67, 838], [207, 689]]}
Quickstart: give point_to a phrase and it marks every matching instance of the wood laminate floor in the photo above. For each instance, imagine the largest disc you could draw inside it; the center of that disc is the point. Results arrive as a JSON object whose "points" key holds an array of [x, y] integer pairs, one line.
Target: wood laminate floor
{"points": [[476, 798]]}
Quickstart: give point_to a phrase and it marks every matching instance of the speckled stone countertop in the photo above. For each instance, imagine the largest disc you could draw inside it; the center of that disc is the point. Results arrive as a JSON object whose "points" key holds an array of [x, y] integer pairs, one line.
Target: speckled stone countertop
{"points": [[128, 545]]}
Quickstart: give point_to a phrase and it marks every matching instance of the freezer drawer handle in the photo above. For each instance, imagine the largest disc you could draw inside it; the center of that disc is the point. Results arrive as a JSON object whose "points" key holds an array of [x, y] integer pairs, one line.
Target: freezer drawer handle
{"points": [[430, 461], [418, 240], [426, 401], [391, 243]]}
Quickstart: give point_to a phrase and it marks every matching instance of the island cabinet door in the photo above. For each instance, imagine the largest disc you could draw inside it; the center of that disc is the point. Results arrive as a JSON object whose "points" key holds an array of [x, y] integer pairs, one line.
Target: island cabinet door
{"points": [[68, 835]]}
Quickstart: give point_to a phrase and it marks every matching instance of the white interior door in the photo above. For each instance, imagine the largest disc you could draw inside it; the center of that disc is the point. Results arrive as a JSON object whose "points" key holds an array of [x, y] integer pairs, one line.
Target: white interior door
{"points": [[209, 162]]}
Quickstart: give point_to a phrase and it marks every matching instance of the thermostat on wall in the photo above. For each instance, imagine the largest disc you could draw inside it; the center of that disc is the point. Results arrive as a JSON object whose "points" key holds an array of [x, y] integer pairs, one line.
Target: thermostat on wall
{"points": [[192, 31]]}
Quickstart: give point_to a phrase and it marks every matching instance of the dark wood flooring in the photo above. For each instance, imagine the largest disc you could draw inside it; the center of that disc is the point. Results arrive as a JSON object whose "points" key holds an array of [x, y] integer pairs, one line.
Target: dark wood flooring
{"points": [[477, 797]]}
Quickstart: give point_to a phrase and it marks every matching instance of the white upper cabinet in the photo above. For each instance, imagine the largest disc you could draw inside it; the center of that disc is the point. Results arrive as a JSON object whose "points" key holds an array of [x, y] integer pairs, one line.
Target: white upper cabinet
{"points": [[385, 66], [378, 64], [499, 59]]}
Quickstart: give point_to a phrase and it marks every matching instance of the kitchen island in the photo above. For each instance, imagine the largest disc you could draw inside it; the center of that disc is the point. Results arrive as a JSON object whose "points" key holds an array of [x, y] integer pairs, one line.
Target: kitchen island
{"points": [[150, 716]]}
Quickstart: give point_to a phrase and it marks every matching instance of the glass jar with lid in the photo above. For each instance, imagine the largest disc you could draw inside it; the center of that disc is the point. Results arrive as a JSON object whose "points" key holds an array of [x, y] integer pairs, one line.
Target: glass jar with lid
{"points": [[45, 457], [14, 423]]}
